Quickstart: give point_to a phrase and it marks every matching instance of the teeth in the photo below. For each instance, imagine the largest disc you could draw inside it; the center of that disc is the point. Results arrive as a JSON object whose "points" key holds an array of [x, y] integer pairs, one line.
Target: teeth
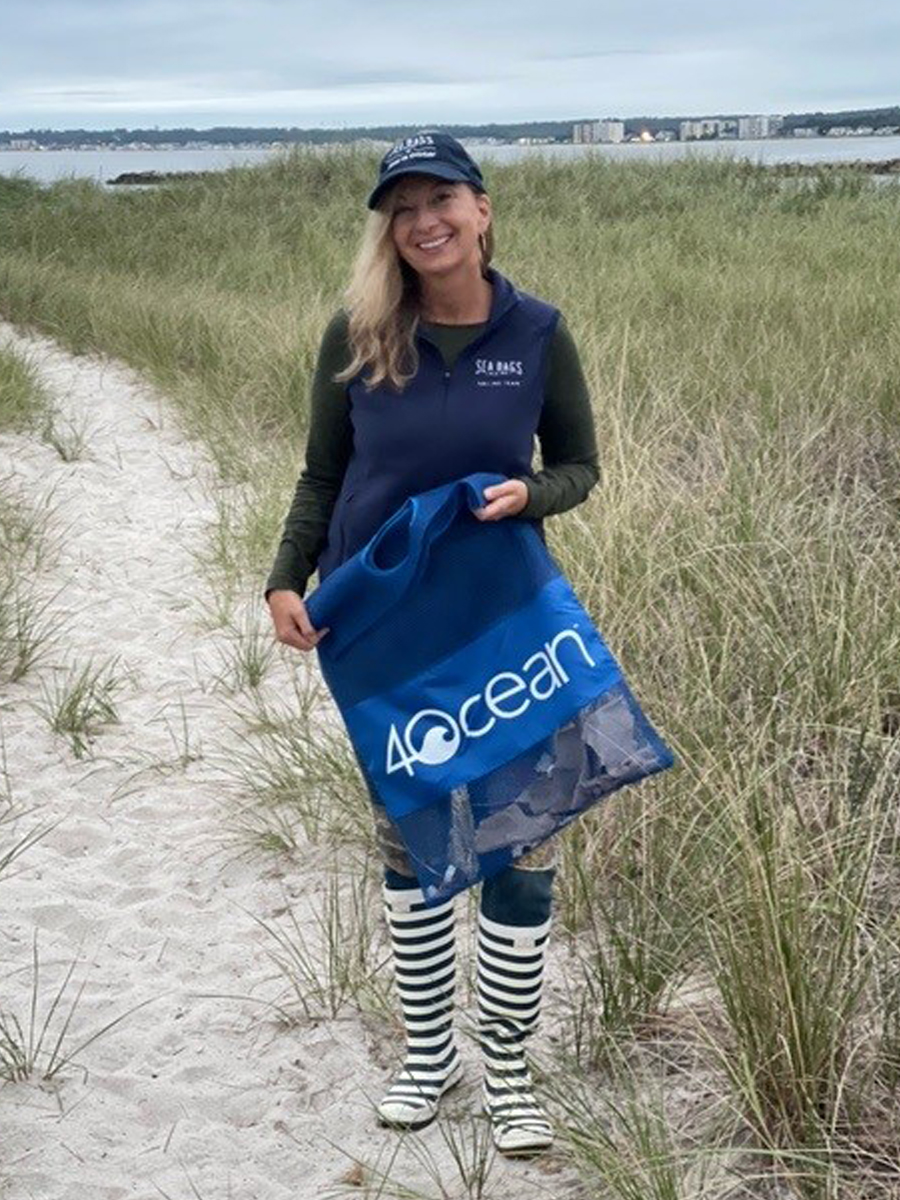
{"points": [[434, 244]]}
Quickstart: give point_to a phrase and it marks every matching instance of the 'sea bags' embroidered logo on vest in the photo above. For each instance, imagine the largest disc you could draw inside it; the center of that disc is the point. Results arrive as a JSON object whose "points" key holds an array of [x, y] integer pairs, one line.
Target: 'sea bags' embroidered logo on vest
{"points": [[497, 371]]}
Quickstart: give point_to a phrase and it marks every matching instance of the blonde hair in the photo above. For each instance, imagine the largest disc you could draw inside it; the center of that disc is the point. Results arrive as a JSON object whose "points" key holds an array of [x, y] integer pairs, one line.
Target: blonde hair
{"points": [[383, 303]]}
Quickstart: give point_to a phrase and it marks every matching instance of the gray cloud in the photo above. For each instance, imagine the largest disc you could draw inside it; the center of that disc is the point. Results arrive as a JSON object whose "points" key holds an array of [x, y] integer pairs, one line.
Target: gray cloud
{"points": [[102, 62]]}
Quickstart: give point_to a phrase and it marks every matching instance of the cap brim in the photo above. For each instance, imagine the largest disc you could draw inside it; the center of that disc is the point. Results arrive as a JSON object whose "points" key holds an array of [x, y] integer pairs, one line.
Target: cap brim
{"points": [[435, 170]]}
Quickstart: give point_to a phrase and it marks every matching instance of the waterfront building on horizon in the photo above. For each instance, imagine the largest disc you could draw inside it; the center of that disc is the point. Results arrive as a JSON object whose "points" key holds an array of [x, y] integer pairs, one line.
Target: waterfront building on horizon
{"points": [[587, 133], [747, 128], [758, 127]]}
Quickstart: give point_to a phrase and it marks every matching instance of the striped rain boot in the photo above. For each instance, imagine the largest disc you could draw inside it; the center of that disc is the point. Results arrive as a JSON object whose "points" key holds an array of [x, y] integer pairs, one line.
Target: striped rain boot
{"points": [[510, 977], [425, 968]]}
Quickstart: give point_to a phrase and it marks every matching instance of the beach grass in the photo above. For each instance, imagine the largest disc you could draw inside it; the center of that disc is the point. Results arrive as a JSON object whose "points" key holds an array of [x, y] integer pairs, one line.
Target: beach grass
{"points": [[26, 541], [326, 952], [80, 703], [740, 333], [40, 1043], [23, 402]]}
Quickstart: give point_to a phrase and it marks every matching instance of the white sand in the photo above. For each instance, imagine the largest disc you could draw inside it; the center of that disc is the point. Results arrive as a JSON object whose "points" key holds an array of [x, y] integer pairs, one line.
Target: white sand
{"points": [[199, 1092]]}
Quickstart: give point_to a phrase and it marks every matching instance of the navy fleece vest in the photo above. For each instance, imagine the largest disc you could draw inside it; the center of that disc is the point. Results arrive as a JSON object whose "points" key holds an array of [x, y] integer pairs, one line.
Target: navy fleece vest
{"points": [[481, 416]]}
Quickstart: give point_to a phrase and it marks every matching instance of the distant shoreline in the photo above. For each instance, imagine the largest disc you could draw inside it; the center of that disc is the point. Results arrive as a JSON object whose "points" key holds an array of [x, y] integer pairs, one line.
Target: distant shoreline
{"points": [[804, 157], [884, 166]]}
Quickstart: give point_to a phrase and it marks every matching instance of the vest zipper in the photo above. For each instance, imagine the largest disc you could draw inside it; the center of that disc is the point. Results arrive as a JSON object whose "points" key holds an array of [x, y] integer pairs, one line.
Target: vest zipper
{"points": [[448, 371], [445, 373]]}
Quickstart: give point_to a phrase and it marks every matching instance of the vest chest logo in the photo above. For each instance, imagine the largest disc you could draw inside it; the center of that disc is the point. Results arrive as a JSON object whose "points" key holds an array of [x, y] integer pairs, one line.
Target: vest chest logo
{"points": [[498, 372]]}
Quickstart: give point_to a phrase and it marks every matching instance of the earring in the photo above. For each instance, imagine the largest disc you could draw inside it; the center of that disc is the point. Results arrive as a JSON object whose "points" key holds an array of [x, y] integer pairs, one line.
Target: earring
{"points": [[482, 250]]}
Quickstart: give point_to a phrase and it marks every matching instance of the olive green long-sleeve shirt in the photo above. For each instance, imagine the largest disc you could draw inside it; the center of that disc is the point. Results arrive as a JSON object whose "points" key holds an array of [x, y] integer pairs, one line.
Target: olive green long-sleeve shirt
{"points": [[565, 432]]}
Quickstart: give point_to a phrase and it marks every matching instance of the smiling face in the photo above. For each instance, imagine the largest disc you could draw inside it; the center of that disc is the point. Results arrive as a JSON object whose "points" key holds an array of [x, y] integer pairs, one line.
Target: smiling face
{"points": [[436, 225]]}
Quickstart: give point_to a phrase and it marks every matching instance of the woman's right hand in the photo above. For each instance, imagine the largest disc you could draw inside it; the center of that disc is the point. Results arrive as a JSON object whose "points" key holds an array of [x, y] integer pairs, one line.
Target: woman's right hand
{"points": [[291, 620]]}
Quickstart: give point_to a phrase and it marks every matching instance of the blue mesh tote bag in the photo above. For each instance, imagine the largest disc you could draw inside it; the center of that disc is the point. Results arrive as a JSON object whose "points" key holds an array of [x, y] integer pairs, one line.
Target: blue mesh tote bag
{"points": [[483, 706]]}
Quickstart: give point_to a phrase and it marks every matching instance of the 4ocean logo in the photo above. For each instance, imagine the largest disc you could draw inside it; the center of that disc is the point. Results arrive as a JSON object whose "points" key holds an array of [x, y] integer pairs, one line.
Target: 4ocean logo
{"points": [[433, 736]]}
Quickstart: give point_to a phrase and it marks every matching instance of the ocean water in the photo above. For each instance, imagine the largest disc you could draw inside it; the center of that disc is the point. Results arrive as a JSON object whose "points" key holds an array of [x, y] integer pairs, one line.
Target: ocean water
{"points": [[103, 165]]}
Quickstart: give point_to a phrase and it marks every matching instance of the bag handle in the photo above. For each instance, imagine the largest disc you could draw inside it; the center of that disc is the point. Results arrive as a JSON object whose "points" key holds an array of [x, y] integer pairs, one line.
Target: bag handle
{"points": [[417, 524], [390, 563]]}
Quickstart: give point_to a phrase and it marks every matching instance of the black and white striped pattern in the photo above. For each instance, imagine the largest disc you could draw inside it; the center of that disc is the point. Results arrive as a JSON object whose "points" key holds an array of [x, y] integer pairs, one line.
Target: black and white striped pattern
{"points": [[425, 967], [510, 979]]}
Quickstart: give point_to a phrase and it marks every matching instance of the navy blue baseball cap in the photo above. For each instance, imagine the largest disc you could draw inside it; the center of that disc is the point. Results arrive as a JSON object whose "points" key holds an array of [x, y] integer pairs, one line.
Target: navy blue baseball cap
{"points": [[427, 153]]}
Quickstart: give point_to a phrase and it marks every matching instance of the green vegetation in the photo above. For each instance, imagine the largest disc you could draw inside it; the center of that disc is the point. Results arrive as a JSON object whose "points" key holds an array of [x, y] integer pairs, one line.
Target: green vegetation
{"points": [[23, 404], [734, 923], [337, 963], [81, 703], [25, 631], [41, 1043], [26, 408]]}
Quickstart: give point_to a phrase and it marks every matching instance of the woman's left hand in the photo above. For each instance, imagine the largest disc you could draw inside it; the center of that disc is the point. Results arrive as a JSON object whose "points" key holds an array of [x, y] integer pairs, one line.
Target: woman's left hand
{"points": [[505, 499]]}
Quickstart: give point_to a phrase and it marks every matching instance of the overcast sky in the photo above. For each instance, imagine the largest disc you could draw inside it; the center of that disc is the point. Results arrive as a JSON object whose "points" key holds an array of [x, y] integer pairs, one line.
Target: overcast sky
{"points": [[102, 63]]}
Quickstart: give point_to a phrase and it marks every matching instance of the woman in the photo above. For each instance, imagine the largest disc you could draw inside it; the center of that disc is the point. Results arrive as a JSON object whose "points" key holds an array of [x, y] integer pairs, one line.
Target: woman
{"points": [[438, 369]]}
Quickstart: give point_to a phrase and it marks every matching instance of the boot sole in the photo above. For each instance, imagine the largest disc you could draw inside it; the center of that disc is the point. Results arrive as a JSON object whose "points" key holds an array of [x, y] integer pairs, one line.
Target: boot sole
{"points": [[525, 1149], [451, 1083]]}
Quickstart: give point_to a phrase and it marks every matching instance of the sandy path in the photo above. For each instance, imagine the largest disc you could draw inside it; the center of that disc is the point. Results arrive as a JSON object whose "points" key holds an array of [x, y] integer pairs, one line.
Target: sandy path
{"points": [[192, 1094]]}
